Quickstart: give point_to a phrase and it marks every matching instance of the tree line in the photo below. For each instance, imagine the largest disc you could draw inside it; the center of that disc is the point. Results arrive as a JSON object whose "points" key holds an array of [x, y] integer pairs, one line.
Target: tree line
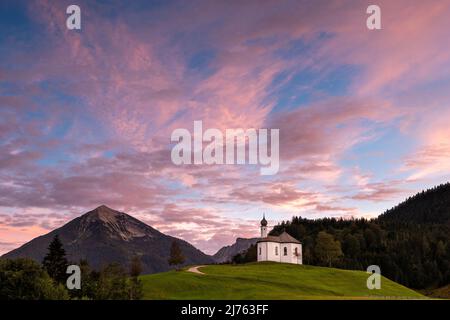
{"points": [[26, 279]]}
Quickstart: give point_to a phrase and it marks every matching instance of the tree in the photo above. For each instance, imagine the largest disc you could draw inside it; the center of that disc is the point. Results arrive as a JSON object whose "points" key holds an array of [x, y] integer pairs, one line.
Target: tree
{"points": [[370, 238], [25, 279], [440, 249], [176, 256], [55, 262], [327, 249], [351, 245], [135, 267], [89, 280], [136, 290], [112, 284], [247, 256]]}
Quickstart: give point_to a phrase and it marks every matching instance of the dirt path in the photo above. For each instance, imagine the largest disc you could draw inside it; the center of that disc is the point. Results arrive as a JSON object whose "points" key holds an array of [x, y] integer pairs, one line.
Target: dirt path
{"points": [[195, 269]]}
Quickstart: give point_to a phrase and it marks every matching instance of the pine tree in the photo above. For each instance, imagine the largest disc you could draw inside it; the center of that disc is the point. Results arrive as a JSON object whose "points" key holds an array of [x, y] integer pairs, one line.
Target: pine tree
{"points": [[55, 262], [176, 256]]}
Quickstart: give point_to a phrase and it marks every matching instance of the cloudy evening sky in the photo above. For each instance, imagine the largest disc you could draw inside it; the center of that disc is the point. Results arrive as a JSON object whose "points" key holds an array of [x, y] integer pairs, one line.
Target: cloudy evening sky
{"points": [[86, 116]]}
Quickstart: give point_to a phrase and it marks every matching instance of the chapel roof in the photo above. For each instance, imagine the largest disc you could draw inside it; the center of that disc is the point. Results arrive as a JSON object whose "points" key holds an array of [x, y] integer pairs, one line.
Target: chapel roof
{"points": [[282, 238]]}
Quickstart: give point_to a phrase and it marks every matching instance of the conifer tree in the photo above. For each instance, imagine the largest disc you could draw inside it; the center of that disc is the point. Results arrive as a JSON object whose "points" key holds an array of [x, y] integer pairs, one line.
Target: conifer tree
{"points": [[55, 262]]}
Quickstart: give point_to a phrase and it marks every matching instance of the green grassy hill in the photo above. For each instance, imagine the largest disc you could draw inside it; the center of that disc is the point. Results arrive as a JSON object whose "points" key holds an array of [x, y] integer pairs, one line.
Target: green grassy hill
{"points": [[269, 281]]}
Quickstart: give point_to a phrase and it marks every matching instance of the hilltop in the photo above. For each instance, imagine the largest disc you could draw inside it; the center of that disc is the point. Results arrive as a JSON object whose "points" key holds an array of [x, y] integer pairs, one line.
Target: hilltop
{"points": [[269, 281]]}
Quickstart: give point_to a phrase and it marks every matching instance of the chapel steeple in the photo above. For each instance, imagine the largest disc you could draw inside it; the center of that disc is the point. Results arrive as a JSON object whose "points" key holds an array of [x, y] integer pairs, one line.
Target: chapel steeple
{"points": [[264, 226]]}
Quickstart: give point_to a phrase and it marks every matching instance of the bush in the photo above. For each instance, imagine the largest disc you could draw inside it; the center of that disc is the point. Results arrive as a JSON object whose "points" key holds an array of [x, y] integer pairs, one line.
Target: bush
{"points": [[25, 279], [114, 284]]}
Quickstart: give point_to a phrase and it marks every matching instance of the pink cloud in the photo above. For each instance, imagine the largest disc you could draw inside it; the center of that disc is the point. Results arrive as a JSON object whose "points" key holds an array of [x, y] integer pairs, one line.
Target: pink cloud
{"points": [[381, 191], [137, 87], [328, 128]]}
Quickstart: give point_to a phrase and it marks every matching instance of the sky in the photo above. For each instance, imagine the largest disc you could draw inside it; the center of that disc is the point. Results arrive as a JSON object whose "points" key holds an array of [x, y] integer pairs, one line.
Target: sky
{"points": [[86, 115]]}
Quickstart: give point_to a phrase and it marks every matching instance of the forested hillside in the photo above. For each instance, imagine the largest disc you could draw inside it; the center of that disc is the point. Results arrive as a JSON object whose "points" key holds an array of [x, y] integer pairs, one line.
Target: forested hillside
{"points": [[430, 206], [411, 242]]}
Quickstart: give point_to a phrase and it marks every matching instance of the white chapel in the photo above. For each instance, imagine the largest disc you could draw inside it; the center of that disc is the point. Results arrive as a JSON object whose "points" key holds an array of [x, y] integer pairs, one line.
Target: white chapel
{"points": [[282, 248]]}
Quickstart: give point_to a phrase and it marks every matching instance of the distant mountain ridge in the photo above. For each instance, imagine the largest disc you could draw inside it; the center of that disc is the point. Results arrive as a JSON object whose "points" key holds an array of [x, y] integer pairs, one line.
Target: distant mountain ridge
{"points": [[104, 235], [226, 254]]}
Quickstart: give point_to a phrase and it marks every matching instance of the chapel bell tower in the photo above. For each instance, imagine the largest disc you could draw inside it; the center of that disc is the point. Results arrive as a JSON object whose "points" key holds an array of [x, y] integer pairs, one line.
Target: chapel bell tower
{"points": [[263, 227]]}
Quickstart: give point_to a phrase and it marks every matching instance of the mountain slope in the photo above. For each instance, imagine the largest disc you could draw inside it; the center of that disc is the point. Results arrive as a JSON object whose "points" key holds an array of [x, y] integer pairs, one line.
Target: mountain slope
{"points": [[430, 206], [225, 254], [268, 280], [439, 293], [104, 235]]}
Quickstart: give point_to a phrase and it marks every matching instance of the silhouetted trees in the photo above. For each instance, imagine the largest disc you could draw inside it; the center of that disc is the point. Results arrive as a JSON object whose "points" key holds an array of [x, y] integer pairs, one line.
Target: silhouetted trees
{"points": [[136, 290], [416, 255], [25, 279], [352, 245], [429, 206], [112, 282], [248, 255], [55, 262]]}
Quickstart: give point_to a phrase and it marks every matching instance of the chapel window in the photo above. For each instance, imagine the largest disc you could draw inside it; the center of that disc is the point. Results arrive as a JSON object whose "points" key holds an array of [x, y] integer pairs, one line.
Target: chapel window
{"points": [[285, 251]]}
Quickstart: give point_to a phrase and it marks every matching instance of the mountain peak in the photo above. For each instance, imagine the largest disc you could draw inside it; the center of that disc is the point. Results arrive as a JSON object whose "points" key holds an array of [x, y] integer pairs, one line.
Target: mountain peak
{"points": [[104, 207], [105, 213], [105, 235], [118, 224]]}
